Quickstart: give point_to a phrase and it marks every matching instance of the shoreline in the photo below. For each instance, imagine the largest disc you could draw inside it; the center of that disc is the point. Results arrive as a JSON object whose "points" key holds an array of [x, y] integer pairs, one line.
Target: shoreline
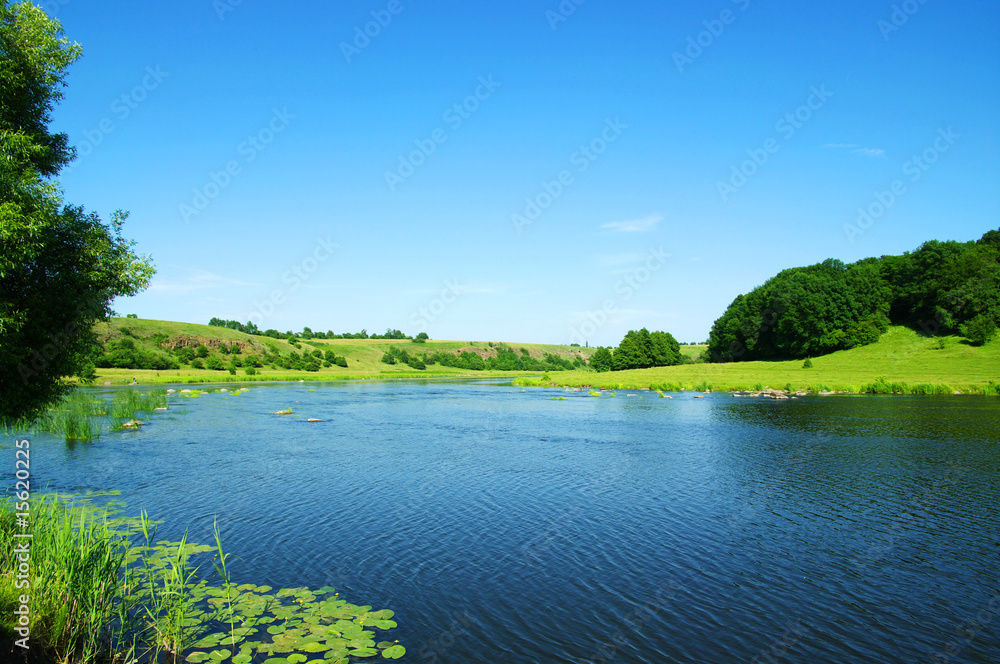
{"points": [[625, 380]]}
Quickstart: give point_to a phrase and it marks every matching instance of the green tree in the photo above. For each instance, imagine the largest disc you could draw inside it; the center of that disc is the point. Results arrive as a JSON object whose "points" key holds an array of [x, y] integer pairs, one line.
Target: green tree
{"points": [[60, 267], [602, 360]]}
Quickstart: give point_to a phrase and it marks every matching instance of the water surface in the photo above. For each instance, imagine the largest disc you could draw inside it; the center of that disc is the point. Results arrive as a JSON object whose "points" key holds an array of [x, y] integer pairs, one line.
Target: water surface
{"points": [[502, 525]]}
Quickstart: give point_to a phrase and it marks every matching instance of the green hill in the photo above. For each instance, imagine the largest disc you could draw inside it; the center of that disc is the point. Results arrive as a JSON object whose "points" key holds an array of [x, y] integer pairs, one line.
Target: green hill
{"points": [[163, 339], [914, 363]]}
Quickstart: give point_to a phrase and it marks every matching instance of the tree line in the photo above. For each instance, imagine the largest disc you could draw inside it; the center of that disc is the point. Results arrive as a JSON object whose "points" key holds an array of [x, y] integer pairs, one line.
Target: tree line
{"points": [[941, 288], [251, 328]]}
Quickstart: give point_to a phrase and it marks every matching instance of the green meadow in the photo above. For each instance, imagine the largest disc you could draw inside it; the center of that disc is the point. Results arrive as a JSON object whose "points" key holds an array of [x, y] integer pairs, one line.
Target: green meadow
{"points": [[901, 359]]}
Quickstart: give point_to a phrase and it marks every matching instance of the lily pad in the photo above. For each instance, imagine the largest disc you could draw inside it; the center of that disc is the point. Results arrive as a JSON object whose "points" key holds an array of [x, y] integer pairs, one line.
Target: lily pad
{"points": [[220, 655], [315, 646], [296, 658], [363, 652], [394, 652], [197, 657]]}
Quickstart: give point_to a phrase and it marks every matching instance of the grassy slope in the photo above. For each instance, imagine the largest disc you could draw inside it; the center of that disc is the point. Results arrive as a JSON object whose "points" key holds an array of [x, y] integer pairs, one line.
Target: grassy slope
{"points": [[363, 355], [901, 355]]}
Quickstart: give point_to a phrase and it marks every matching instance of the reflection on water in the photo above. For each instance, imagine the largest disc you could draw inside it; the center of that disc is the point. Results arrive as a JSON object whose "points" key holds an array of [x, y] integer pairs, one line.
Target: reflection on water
{"points": [[501, 525]]}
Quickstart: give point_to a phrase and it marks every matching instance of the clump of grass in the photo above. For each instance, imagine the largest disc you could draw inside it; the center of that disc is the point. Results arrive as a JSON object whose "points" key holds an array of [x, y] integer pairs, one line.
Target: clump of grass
{"points": [[78, 415], [81, 610], [96, 597], [703, 386]]}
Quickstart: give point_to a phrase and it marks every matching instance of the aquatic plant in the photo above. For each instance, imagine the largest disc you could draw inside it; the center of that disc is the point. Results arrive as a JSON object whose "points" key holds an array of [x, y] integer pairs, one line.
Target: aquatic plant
{"points": [[98, 597]]}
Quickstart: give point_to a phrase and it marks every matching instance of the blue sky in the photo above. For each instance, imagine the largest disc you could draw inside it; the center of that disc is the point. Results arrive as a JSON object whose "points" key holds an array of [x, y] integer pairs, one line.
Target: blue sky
{"points": [[522, 171]]}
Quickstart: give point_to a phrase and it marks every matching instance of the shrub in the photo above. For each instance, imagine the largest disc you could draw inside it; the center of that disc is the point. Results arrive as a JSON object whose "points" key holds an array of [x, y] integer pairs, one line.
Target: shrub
{"points": [[979, 330], [201, 351], [387, 358], [341, 362], [808, 364], [196, 363], [215, 363], [420, 338], [250, 371]]}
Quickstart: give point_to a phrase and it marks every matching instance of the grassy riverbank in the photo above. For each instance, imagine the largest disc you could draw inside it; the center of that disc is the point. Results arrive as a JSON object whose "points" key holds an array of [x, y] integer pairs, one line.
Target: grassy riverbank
{"points": [[906, 360], [104, 589]]}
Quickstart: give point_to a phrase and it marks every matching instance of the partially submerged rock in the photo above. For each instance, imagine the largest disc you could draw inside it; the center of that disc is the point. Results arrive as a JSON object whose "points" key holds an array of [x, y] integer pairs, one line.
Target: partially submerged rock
{"points": [[314, 419]]}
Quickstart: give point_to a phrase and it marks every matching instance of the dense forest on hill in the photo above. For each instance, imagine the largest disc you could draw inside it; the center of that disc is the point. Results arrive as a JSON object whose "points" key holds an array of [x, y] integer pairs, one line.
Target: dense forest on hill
{"points": [[941, 288]]}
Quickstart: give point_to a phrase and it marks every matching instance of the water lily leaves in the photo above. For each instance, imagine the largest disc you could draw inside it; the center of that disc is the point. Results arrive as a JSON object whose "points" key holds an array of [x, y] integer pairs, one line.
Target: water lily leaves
{"points": [[276, 629], [276, 660], [314, 646], [219, 655], [385, 624], [363, 652], [296, 658], [264, 589], [384, 614], [210, 641], [242, 658], [197, 657], [394, 652], [326, 589]]}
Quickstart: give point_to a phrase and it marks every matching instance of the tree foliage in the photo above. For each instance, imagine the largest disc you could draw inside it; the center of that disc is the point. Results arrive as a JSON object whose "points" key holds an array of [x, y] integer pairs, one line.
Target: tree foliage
{"points": [[942, 287], [639, 350], [60, 267]]}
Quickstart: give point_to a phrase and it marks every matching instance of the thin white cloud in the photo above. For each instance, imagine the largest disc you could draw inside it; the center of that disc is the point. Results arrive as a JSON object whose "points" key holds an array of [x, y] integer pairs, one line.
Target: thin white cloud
{"points": [[870, 152], [643, 225], [856, 149]]}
